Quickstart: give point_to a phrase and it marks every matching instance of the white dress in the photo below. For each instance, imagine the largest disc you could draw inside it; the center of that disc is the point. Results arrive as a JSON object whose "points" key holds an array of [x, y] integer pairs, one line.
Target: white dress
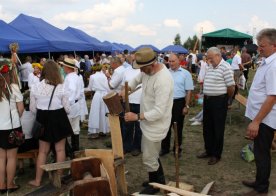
{"points": [[83, 105], [98, 122]]}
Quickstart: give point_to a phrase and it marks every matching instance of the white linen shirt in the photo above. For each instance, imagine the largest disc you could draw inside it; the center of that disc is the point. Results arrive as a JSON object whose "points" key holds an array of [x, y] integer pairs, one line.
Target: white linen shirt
{"points": [[5, 119], [236, 62], [264, 84], [32, 80], [156, 103], [25, 71], [73, 89], [117, 79], [41, 94], [129, 74]]}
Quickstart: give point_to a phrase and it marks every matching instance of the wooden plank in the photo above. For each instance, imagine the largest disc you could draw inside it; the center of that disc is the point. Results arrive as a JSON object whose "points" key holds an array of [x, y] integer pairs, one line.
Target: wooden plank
{"points": [[56, 166], [28, 155], [182, 185], [241, 99], [175, 190], [207, 188], [107, 159], [117, 148]]}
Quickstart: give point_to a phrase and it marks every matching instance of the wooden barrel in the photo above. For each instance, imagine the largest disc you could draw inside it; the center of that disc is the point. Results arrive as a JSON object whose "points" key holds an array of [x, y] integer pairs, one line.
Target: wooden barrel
{"points": [[113, 103]]}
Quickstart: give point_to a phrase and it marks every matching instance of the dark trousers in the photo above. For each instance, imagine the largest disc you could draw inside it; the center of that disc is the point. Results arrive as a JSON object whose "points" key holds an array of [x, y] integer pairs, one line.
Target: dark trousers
{"points": [[133, 134], [24, 86], [262, 147], [178, 117], [214, 116]]}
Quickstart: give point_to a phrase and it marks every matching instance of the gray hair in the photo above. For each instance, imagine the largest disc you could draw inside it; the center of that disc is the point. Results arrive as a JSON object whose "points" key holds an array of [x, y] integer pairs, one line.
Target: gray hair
{"points": [[269, 33], [214, 50]]}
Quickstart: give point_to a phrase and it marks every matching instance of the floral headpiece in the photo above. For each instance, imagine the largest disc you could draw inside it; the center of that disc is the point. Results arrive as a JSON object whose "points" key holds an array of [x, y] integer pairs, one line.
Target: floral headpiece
{"points": [[14, 47], [5, 65]]}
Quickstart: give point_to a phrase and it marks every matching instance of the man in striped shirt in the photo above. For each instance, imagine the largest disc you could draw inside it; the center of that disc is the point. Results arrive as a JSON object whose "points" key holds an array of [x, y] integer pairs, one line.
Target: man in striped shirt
{"points": [[218, 86]]}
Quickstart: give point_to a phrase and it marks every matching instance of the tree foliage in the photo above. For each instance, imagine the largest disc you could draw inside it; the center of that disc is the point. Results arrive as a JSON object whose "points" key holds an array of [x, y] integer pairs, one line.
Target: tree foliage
{"points": [[190, 42], [177, 40]]}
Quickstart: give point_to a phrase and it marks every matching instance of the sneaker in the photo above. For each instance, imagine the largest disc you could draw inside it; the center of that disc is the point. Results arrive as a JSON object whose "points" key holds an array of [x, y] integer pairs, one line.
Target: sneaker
{"points": [[196, 123], [192, 119]]}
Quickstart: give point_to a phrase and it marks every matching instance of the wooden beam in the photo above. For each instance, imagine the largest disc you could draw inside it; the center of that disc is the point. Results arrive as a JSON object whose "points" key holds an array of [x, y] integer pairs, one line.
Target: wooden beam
{"points": [[175, 190], [241, 99]]}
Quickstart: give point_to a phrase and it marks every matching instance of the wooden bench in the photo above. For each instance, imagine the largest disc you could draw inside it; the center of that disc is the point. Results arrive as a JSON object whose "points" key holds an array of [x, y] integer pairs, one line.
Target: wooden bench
{"points": [[32, 154]]}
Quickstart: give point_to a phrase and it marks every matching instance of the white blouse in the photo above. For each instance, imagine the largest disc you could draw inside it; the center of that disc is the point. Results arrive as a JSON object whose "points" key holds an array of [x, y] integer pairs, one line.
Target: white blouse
{"points": [[41, 94], [5, 107], [32, 80]]}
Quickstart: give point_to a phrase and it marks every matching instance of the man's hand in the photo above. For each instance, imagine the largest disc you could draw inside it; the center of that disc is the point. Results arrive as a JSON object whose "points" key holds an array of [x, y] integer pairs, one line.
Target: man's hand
{"points": [[130, 116], [252, 130], [185, 111]]}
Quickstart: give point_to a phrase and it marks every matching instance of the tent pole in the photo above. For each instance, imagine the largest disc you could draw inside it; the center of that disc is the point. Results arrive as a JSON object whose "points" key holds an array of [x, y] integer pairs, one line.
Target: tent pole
{"points": [[49, 55], [75, 54]]}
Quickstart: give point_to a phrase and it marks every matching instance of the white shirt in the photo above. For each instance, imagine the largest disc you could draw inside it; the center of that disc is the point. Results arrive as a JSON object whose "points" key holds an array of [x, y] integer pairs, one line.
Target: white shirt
{"points": [[129, 74], [32, 80], [203, 69], [236, 62], [27, 122], [264, 84], [41, 94], [25, 70], [73, 89], [5, 119], [117, 79], [156, 103], [98, 82]]}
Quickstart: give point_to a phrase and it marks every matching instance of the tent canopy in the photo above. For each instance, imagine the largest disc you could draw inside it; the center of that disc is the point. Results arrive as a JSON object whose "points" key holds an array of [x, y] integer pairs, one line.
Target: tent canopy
{"points": [[97, 45], [27, 44], [224, 37], [58, 40], [124, 46], [115, 48], [175, 49], [147, 46]]}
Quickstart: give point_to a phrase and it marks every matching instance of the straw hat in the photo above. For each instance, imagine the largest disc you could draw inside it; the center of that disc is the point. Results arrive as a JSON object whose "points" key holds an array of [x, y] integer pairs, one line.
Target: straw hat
{"points": [[144, 57], [68, 63], [38, 65]]}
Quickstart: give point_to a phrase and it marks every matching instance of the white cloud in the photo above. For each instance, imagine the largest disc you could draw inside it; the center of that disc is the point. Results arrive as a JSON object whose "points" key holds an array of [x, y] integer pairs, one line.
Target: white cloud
{"points": [[141, 30], [4, 15], [257, 23], [204, 26], [171, 23], [116, 24]]}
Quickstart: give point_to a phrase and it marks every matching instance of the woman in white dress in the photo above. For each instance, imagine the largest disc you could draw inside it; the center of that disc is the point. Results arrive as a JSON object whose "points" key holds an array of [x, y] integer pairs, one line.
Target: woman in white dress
{"points": [[98, 122], [34, 77]]}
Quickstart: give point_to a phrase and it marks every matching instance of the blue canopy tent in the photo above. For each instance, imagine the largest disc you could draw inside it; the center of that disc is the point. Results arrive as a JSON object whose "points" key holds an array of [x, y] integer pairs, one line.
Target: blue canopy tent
{"points": [[124, 46], [98, 45], [26, 43], [114, 48], [175, 49], [58, 40], [147, 46]]}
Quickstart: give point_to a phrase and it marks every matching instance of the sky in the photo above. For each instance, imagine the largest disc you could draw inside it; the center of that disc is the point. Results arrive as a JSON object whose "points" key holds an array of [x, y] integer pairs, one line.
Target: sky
{"points": [[155, 22]]}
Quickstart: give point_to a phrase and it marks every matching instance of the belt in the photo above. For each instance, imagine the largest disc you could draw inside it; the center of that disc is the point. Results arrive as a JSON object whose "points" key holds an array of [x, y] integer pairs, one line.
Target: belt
{"points": [[217, 96], [179, 99]]}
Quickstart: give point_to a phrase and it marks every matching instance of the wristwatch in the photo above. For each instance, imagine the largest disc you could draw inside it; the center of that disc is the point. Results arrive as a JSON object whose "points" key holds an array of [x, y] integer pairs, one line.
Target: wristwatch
{"points": [[187, 106], [138, 117]]}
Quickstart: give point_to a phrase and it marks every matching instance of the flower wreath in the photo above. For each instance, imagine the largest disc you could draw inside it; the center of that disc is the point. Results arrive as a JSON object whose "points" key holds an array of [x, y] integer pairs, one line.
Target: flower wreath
{"points": [[5, 65]]}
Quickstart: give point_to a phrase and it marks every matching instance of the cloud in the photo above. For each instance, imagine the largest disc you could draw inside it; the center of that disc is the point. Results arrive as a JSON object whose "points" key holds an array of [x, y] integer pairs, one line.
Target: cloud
{"points": [[171, 23], [116, 24], [141, 30], [4, 15], [257, 23], [101, 14], [204, 27]]}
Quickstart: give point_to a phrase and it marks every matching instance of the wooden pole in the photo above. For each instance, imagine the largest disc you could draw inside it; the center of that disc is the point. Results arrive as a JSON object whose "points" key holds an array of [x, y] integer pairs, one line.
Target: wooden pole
{"points": [[176, 155], [127, 109]]}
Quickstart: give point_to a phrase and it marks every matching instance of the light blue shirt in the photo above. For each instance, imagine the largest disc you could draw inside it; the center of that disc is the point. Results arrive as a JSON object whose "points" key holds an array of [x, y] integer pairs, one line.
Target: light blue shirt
{"points": [[182, 82], [126, 65]]}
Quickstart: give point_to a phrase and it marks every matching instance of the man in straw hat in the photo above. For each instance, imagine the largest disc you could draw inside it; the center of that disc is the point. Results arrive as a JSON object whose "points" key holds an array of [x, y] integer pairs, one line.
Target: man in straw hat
{"points": [[156, 105], [74, 91]]}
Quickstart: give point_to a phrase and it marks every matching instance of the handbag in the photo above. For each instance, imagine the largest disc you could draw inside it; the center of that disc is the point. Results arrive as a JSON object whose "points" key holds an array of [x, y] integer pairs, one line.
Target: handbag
{"points": [[38, 128]]}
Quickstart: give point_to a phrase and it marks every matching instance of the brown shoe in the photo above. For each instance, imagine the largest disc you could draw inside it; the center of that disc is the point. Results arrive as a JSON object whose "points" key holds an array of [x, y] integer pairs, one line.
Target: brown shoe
{"points": [[203, 155], [250, 184], [254, 193], [213, 160]]}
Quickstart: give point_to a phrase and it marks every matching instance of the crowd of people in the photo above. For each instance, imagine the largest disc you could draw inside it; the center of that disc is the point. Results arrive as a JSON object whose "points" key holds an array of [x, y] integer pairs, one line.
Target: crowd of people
{"points": [[54, 95]]}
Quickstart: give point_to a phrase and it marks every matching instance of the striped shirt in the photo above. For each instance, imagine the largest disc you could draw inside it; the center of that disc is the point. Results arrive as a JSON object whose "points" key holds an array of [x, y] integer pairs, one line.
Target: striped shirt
{"points": [[217, 79]]}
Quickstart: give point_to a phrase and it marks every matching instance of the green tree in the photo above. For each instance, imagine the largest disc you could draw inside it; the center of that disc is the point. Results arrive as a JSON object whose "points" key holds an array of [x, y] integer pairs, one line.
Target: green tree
{"points": [[177, 40], [190, 42]]}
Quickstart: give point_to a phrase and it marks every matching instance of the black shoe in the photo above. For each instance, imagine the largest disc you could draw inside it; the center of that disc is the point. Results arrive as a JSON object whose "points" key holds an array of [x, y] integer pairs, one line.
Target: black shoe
{"points": [[163, 152], [203, 155], [11, 190], [250, 184], [135, 152], [3, 191], [213, 160], [149, 190]]}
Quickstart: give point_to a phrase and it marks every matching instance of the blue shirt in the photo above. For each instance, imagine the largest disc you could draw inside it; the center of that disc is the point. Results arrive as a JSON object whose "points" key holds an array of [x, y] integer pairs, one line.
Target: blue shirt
{"points": [[182, 82]]}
